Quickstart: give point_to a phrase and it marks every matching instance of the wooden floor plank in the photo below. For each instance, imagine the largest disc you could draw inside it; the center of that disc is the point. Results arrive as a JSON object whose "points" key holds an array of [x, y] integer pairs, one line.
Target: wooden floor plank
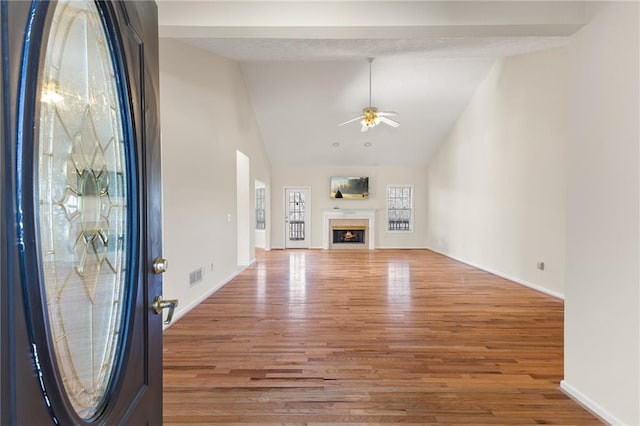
{"points": [[316, 337]]}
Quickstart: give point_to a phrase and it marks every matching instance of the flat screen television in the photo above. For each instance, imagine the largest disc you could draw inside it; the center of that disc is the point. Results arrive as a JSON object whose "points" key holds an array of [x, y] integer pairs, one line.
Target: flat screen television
{"points": [[350, 187]]}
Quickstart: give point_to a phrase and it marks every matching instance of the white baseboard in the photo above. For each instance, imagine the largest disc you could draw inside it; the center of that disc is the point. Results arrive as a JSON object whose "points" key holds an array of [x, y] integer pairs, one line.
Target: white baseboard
{"points": [[182, 312], [389, 248], [401, 248], [243, 266], [589, 404], [301, 248], [516, 280]]}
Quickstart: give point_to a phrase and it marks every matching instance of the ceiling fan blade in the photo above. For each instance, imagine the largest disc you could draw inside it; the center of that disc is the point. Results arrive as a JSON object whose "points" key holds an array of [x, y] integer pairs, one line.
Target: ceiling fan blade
{"points": [[387, 113], [364, 128], [351, 121], [389, 121]]}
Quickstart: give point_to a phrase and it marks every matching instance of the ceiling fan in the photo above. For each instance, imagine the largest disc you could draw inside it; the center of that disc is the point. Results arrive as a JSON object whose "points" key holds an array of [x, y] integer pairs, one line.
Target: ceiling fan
{"points": [[370, 116]]}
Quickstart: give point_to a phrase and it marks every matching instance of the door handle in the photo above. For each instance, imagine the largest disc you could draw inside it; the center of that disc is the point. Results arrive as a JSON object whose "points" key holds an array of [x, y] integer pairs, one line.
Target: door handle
{"points": [[159, 304]]}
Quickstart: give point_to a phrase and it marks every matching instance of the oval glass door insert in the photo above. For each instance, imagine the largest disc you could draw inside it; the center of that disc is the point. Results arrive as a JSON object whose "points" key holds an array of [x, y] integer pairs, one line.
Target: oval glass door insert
{"points": [[82, 208]]}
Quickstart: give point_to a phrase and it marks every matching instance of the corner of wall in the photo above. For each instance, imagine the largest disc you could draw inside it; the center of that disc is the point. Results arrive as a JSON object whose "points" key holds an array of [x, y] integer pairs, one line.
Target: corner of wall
{"points": [[488, 203]]}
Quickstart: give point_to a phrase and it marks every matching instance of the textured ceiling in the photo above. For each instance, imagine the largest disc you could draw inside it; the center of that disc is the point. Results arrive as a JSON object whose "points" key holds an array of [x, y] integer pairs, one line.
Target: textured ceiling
{"points": [[260, 49], [305, 76]]}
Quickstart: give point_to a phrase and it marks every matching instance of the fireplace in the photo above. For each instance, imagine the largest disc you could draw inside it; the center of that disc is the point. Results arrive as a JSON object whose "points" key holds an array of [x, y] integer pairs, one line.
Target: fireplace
{"points": [[348, 235], [348, 229]]}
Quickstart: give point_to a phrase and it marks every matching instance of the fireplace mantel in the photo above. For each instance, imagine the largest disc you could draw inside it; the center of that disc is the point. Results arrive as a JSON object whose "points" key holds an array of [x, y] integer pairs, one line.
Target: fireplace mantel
{"points": [[364, 214]]}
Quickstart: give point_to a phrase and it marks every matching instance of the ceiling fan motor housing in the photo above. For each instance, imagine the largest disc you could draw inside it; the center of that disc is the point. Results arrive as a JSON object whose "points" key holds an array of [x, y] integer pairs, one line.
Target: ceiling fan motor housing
{"points": [[370, 117]]}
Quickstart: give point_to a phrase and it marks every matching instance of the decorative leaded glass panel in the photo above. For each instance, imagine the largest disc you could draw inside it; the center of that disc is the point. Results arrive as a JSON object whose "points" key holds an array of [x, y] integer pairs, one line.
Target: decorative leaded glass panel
{"points": [[82, 206]]}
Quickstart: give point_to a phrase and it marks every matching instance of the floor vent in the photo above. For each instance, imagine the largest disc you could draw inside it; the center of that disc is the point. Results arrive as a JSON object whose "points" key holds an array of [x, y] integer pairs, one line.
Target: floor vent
{"points": [[196, 276]]}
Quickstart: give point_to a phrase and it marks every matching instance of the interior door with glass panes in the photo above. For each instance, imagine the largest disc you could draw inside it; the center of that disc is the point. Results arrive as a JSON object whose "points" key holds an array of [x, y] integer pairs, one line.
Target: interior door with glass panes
{"points": [[81, 258], [297, 227]]}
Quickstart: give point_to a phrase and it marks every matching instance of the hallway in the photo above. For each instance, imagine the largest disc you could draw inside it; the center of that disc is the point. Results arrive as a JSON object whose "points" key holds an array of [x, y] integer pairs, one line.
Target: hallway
{"points": [[383, 336]]}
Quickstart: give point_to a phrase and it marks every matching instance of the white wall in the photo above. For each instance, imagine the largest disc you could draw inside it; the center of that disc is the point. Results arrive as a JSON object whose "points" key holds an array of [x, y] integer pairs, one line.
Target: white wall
{"points": [[497, 192], [206, 117], [602, 320], [318, 177], [244, 202]]}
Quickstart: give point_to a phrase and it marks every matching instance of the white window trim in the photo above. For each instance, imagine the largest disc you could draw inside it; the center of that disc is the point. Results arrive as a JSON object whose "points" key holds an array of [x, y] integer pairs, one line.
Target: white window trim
{"points": [[411, 220]]}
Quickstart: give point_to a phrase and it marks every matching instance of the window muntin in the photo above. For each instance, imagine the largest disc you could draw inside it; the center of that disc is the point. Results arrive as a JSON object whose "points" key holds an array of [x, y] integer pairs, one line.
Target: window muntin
{"points": [[400, 208], [261, 223]]}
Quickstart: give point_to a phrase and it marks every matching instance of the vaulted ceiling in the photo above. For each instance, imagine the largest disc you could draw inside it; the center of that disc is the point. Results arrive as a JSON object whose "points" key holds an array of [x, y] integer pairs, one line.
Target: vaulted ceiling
{"points": [[305, 68]]}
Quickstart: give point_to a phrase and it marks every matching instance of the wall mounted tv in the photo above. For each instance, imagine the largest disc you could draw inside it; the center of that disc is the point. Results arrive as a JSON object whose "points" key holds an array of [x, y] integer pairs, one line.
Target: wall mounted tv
{"points": [[350, 187]]}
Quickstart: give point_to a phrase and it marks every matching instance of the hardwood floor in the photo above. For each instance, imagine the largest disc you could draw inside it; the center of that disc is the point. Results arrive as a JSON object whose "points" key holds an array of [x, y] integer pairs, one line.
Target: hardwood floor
{"points": [[365, 337]]}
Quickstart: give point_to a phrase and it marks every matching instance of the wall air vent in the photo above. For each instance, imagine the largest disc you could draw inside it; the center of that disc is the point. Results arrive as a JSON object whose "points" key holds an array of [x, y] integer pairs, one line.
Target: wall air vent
{"points": [[196, 276]]}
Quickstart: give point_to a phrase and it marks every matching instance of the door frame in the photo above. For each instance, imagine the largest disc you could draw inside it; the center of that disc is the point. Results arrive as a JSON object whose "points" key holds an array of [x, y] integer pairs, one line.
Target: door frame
{"points": [[245, 252], [307, 225]]}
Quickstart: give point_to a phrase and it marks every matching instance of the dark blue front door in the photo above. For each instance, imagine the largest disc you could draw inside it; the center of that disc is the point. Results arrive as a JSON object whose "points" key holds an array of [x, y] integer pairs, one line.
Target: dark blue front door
{"points": [[80, 213]]}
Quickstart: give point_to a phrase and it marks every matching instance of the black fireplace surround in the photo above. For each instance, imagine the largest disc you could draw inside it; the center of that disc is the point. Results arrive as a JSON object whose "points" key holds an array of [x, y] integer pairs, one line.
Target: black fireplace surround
{"points": [[348, 236]]}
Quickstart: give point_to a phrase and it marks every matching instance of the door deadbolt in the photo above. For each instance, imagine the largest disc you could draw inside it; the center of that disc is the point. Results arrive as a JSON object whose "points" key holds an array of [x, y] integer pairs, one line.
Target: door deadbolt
{"points": [[160, 265]]}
